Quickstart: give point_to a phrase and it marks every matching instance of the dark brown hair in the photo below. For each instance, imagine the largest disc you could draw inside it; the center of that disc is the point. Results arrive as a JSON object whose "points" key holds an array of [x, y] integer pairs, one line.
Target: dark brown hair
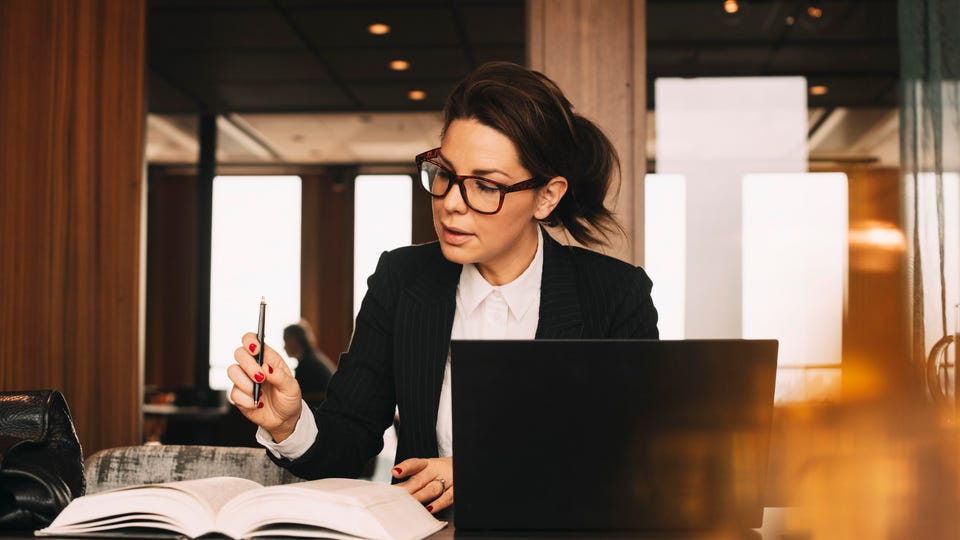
{"points": [[552, 140], [302, 334]]}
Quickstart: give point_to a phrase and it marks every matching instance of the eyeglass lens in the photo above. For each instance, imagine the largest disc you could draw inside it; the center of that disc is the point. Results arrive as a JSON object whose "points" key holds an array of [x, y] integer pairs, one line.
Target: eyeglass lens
{"points": [[479, 195]]}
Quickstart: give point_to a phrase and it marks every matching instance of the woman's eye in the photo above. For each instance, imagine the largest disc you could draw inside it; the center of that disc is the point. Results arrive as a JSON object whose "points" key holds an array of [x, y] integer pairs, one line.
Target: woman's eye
{"points": [[487, 187]]}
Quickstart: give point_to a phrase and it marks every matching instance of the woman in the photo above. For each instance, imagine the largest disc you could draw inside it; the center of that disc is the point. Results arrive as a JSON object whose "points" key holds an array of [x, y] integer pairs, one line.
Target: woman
{"points": [[513, 155], [314, 369]]}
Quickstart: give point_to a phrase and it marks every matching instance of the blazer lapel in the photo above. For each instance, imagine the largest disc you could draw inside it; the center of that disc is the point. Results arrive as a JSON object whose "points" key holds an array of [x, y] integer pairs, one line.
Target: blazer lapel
{"points": [[560, 312], [425, 320]]}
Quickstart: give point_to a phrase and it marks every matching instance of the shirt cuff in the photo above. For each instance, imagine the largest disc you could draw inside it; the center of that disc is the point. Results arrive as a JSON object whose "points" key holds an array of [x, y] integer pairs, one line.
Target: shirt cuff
{"points": [[297, 444]]}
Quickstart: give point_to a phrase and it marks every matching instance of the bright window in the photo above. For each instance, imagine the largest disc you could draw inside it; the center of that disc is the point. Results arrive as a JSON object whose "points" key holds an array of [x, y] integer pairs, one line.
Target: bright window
{"points": [[382, 221], [665, 245], [794, 275], [741, 241], [255, 251]]}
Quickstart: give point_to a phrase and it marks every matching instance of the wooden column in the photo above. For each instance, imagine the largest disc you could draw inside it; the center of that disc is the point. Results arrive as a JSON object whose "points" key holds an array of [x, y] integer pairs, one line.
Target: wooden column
{"points": [[203, 190], [874, 330], [327, 258], [71, 181], [596, 51], [171, 306]]}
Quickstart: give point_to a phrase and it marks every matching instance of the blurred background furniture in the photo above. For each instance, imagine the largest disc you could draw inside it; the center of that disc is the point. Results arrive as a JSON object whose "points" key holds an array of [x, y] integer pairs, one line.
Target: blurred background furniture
{"points": [[191, 416], [152, 463]]}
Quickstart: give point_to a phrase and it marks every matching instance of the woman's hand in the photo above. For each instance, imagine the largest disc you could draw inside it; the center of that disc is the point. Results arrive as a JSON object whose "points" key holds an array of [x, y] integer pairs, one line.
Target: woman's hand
{"points": [[430, 481], [279, 408]]}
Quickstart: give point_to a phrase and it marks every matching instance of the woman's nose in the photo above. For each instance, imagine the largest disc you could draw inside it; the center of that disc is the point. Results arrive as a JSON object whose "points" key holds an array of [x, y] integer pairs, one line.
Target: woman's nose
{"points": [[453, 200]]}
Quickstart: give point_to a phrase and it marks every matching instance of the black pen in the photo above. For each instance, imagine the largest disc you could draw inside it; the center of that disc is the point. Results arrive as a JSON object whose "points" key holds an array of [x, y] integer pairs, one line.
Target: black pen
{"points": [[260, 347]]}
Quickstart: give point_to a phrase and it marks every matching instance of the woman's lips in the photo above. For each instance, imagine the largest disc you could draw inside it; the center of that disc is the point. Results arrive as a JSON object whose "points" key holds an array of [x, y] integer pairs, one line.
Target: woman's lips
{"points": [[455, 237]]}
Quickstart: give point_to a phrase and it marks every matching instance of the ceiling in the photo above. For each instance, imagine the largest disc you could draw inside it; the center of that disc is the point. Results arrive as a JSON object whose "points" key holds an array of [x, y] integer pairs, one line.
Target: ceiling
{"points": [[302, 82]]}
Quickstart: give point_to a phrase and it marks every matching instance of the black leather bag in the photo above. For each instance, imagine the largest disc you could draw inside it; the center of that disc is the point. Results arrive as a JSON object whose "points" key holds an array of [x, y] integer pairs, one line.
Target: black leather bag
{"points": [[41, 464]]}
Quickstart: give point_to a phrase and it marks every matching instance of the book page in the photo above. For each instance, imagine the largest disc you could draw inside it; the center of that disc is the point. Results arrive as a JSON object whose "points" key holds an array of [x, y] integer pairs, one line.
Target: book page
{"points": [[187, 507], [215, 492], [353, 507]]}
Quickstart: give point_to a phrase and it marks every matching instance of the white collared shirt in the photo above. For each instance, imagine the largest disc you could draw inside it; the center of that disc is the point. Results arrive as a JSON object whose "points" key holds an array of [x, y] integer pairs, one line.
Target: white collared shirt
{"points": [[510, 311], [483, 311]]}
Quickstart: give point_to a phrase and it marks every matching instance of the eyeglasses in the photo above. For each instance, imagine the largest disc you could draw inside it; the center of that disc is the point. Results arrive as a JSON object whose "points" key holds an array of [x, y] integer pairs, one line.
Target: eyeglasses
{"points": [[481, 195]]}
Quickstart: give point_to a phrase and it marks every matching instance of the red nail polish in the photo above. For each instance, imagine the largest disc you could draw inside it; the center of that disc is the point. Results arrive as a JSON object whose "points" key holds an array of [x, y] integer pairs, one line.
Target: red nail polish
{"points": [[260, 405], [259, 377], [253, 347], [398, 470], [429, 508], [270, 368]]}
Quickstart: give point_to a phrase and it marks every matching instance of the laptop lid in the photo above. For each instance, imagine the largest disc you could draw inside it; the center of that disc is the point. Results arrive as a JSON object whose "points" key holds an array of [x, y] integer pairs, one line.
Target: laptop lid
{"points": [[611, 434]]}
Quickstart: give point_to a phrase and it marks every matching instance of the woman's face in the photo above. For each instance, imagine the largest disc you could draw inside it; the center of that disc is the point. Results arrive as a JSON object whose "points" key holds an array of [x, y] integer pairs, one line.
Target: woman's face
{"points": [[291, 347], [502, 244]]}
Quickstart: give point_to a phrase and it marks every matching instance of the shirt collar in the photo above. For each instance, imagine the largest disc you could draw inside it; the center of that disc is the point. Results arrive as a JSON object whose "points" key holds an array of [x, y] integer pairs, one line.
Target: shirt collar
{"points": [[519, 294]]}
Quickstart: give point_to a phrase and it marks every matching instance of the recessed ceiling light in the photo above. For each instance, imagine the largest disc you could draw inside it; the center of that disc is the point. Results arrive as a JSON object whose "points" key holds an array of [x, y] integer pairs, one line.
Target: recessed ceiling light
{"points": [[819, 90], [399, 65], [731, 6], [417, 95], [378, 29]]}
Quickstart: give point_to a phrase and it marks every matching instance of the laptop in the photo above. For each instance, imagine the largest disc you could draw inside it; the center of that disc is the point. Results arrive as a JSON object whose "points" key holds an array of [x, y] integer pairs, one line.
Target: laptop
{"points": [[610, 435]]}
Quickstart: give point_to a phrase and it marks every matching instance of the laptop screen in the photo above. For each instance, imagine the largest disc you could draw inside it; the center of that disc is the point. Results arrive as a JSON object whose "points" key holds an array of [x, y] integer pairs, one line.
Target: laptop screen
{"points": [[612, 434]]}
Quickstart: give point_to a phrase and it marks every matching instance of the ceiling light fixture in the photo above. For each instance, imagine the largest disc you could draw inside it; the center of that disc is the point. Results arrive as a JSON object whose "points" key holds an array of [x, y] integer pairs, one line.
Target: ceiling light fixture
{"points": [[815, 16], [378, 29], [417, 95], [399, 65], [732, 11], [819, 90]]}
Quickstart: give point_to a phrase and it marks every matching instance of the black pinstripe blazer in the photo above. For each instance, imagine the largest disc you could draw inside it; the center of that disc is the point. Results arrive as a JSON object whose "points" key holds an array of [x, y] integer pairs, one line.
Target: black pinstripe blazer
{"points": [[402, 338]]}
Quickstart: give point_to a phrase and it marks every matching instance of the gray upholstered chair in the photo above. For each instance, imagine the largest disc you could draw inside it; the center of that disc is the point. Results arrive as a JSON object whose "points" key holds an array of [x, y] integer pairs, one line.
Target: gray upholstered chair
{"points": [[147, 464]]}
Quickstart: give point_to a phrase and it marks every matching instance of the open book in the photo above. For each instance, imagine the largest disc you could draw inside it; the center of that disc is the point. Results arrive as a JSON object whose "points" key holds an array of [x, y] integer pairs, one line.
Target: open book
{"points": [[238, 508]]}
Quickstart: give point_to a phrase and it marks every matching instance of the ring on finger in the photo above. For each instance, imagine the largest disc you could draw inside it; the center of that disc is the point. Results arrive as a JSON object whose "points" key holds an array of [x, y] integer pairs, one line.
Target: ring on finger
{"points": [[443, 484]]}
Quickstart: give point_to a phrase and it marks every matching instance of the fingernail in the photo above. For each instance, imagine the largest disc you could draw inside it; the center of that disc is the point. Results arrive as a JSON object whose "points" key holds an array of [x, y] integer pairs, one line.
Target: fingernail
{"points": [[253, 347], [429, 508], [260, 405], [398, 470], [270, 368], [259, 377]]}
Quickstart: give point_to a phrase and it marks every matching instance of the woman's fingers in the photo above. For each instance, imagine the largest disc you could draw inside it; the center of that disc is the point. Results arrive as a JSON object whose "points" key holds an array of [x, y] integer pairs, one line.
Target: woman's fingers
{"points": [[274, 369], [242, 399], [240, 380], [250, 349], [279, 402], [444, 500], [428, 480], [409, 467], [427, 491]]}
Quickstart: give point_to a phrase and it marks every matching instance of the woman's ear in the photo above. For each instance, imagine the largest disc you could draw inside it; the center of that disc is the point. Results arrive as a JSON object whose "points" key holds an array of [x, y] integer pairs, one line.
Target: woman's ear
{"points": [[549, 196]]}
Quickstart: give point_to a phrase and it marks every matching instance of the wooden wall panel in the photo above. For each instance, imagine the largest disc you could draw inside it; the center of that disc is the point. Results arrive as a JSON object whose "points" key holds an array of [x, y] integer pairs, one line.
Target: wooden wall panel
{"points": [[596, 51], [421, 230], [875, 324], [326, 280], [171, 280], [71, 175]]}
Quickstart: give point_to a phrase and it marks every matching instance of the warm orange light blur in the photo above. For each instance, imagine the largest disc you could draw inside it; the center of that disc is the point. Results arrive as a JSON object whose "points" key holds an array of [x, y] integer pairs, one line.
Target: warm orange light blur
{"points": [[399, 65], [378, 29], [879, 235], [814, 12], [819, 90], [731, 6], [417, 95], [875, 246]]}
